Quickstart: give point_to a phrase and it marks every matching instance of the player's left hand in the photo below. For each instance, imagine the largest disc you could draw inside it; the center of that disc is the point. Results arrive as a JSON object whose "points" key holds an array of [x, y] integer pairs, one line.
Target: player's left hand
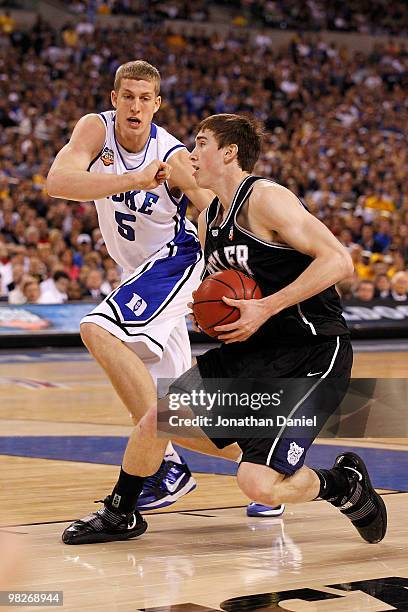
{"points": [[191, 316], [253, 314]]}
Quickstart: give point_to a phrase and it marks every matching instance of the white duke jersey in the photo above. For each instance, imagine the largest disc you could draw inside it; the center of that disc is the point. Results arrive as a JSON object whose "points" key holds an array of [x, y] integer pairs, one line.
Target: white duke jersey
{"points": [[136, 225]]}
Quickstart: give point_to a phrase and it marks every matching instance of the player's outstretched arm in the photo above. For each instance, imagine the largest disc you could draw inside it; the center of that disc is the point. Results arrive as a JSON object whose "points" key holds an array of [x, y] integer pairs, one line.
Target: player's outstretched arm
{"points": [[69, 177], [182, 177]]}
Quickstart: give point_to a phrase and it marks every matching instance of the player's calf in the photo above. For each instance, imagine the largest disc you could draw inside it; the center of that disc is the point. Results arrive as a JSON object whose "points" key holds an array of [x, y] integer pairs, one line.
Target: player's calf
{"points": [[260, 483]]}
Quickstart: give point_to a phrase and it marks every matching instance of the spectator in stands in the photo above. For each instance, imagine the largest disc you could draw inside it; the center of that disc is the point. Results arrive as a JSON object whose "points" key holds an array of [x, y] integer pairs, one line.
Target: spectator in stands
{"points": [[74, 291], [16, 295], [31, 291], [112, 280], [84, 246], [54, 290], [362, 263], [14, 285], [93, 285], [6, 273], [365, 291], [368, 241], [383, 234], [382, 287], [399, 287], [67, 260]]}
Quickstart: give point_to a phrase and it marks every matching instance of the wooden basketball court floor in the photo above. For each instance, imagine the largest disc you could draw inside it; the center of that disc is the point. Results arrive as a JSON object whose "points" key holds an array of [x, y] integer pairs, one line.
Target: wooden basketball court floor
{"points": [[62, 432]]}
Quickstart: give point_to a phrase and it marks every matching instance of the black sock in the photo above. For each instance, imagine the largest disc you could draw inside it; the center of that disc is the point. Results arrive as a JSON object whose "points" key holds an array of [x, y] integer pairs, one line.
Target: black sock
{"points": [[335, 487], [126, 492]]}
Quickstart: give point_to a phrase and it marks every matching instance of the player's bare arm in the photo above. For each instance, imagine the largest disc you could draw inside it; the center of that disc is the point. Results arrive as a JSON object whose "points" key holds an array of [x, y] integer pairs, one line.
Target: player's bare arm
{"points": [[182, 177], [69, 177], [276, 210]]}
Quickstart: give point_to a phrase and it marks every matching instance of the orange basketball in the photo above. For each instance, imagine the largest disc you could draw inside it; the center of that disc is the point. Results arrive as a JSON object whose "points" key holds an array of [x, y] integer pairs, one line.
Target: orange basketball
{"points": [[208, 307]]}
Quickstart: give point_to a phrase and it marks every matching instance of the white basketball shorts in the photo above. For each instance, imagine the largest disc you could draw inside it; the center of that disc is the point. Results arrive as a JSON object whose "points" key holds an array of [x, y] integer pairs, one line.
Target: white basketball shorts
{"points": [[147, 311]]}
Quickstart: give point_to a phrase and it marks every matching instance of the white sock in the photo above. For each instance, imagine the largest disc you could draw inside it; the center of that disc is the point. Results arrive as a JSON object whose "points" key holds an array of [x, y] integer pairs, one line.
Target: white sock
{"points": [[171, 454]]}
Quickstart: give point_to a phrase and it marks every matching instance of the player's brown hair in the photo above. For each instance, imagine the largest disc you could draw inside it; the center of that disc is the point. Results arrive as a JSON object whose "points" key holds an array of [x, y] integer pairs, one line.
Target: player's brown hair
{"points": [[138, 70], [240, 130]]}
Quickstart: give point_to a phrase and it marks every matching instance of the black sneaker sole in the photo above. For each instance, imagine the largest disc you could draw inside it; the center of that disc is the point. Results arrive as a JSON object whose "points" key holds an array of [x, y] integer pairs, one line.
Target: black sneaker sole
{"points": [[376, 530], [72, 537]]}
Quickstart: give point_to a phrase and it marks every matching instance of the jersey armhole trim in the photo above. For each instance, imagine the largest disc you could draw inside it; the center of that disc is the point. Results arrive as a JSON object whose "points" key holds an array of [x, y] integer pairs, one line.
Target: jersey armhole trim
{"points": [[95, 159], [103, 118], [274, 245], [170, 151]]}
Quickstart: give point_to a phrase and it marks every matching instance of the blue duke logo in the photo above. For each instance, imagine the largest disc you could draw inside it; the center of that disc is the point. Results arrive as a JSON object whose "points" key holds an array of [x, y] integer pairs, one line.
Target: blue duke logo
{"points": [[137, 305]]}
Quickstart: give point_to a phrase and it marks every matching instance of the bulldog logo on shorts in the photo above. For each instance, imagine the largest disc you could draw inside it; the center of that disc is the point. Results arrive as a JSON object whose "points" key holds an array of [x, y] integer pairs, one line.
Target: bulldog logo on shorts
{"points": [[294, 453], [137, 305]]}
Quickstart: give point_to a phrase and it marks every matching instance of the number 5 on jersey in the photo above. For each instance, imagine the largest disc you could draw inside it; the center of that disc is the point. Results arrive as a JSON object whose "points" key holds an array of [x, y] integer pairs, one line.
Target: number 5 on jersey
{"points": [[126, 231]]}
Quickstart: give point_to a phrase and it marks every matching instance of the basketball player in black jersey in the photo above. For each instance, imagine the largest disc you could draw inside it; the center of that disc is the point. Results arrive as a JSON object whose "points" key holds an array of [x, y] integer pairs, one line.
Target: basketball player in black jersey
{"points": [[295, 331]]}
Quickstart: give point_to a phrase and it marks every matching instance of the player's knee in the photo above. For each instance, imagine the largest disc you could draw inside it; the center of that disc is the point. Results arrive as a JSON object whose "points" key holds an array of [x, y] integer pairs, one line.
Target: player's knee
{"points": [[148, 424]]}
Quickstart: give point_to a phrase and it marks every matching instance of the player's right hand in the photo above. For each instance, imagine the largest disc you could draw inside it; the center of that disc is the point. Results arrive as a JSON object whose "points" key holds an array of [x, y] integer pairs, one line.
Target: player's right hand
{"points": [[155, 174]]}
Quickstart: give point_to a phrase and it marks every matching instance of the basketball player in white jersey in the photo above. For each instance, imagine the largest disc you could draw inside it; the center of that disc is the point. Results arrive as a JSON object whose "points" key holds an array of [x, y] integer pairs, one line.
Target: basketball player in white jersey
{"points": [[140, 178]]}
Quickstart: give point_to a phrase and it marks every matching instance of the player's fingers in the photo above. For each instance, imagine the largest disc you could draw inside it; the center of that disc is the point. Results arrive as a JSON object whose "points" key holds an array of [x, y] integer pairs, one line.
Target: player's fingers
{"points": [[232, 302], [227, 327], [239, 335], [165, 168], [162, 176], [190, 305]]}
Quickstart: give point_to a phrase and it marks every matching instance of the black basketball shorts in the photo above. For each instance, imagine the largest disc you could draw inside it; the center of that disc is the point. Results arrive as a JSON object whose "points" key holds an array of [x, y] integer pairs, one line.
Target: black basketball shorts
{"points": [[322, 366]]}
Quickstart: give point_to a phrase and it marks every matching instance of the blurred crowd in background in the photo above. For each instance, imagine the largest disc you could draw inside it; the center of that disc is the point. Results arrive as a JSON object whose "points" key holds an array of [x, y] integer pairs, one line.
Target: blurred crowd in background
{"points": [[365, 16], [335, 134]]}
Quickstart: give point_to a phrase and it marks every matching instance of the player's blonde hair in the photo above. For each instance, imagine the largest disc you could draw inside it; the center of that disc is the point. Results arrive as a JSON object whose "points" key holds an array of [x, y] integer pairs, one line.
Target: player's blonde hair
{"points": [[138, 70]]}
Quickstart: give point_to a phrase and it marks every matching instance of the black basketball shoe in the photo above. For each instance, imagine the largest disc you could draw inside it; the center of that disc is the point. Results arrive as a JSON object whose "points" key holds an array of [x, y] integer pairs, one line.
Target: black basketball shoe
{"points": [[364, 507], [105, 525]]}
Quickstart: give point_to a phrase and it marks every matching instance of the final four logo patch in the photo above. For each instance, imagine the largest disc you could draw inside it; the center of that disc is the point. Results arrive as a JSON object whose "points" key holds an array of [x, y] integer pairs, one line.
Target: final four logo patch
{"points": [[107, 156]]}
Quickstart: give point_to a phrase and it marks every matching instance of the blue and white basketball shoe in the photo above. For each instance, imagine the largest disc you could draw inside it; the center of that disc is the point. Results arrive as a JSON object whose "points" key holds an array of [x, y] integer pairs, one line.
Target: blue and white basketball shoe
{"points": [[255, 509], [174, 480], [170, 482]]}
